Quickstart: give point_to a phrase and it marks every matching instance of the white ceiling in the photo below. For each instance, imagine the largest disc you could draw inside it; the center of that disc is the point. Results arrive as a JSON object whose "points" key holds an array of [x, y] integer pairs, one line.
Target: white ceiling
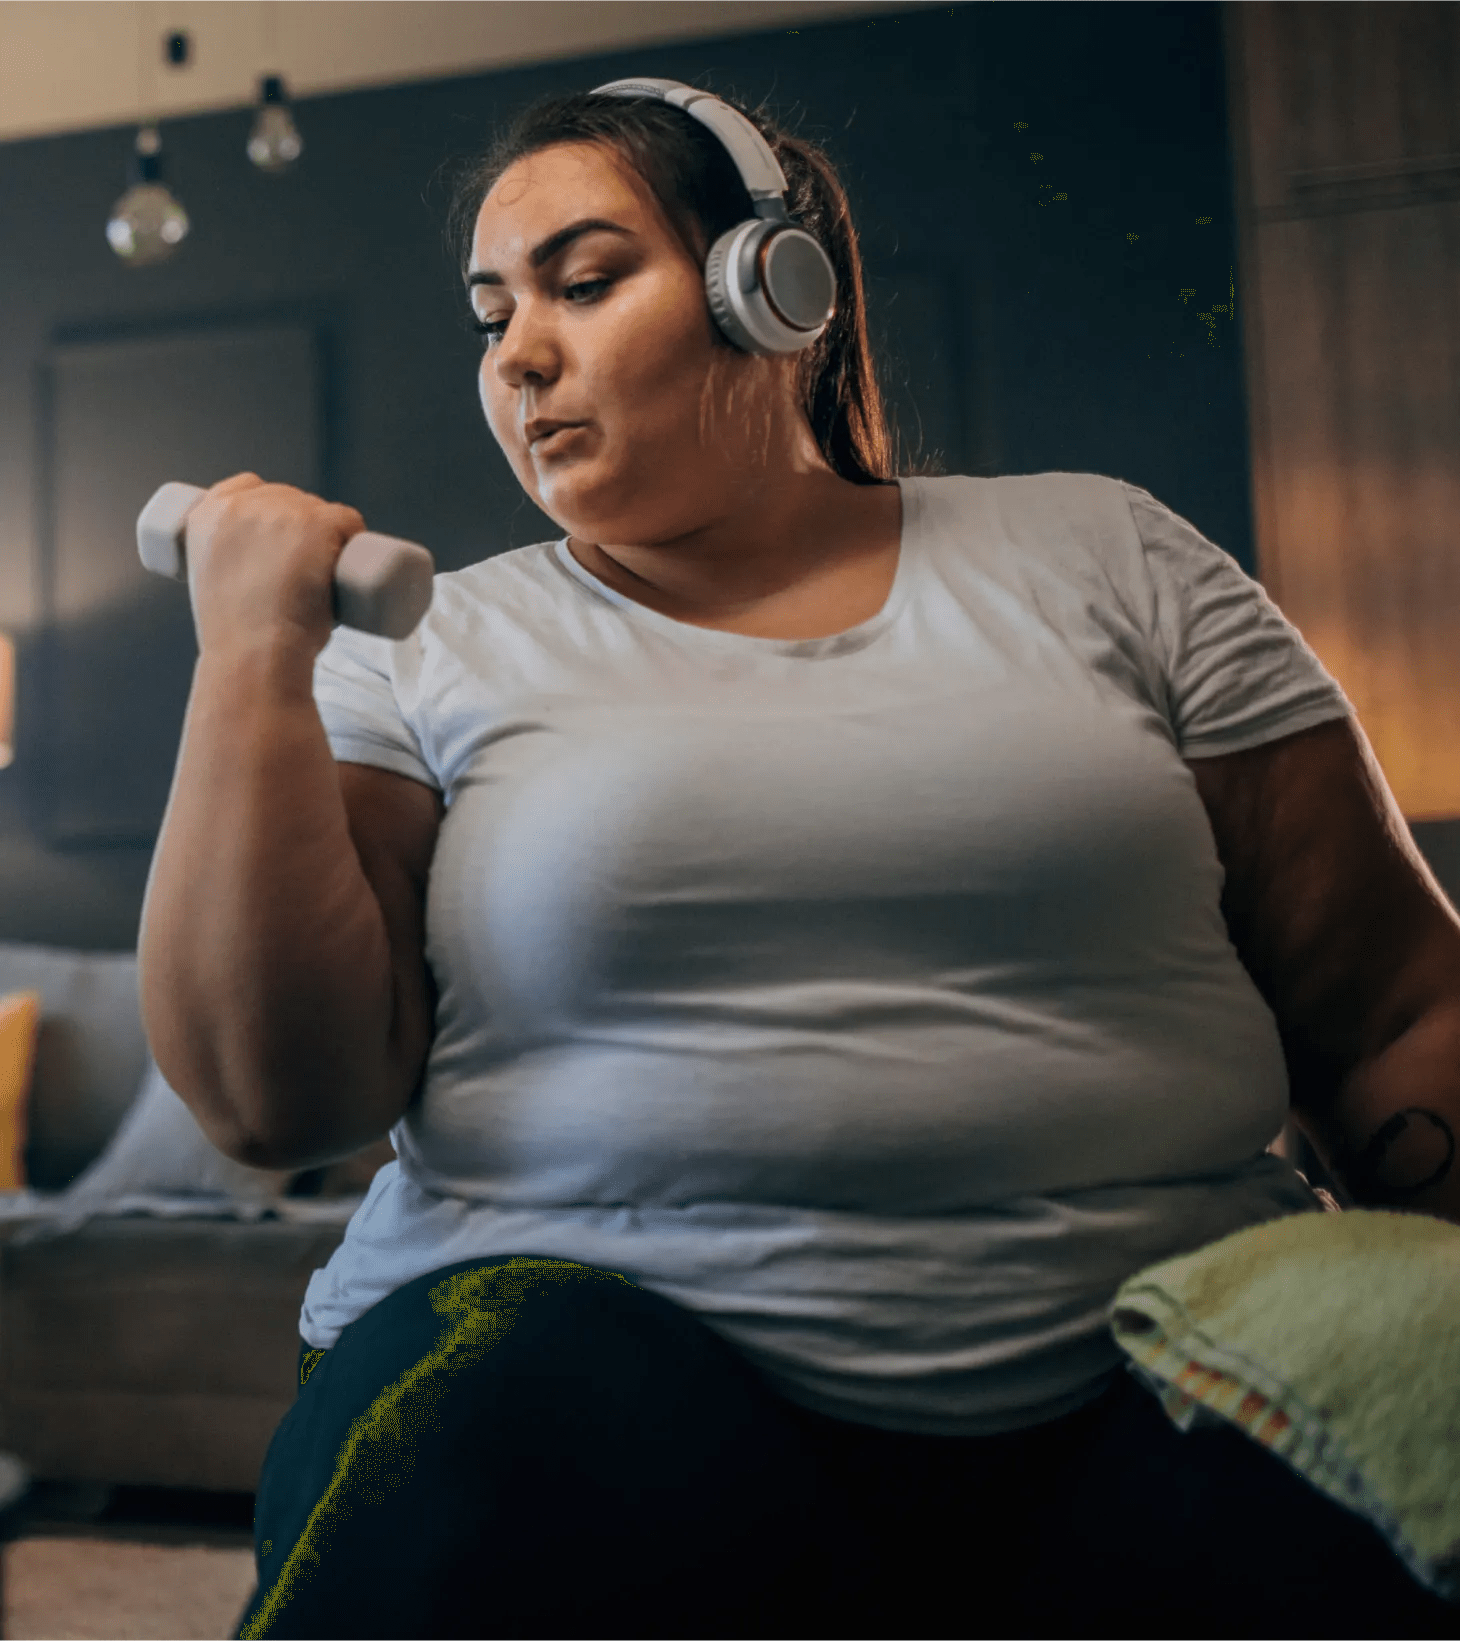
{"points": [[67, 65]]}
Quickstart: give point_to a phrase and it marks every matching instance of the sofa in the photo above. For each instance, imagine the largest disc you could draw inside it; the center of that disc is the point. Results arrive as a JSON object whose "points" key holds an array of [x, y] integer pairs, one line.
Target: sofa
{"points": [[148, 1340]]}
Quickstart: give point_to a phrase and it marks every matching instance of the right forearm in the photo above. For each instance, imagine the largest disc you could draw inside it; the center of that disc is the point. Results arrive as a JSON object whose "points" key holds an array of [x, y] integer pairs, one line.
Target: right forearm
{"points": [[264, 964]]}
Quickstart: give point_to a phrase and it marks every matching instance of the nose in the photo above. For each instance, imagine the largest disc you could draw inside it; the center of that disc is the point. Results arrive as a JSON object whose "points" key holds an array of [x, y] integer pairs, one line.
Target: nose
{"points": [[528, 350]]}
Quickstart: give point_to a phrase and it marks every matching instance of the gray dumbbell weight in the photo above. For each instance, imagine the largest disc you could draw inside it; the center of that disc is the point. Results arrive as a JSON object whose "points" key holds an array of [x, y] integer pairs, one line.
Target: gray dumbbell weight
{"points": [[382, 584]]}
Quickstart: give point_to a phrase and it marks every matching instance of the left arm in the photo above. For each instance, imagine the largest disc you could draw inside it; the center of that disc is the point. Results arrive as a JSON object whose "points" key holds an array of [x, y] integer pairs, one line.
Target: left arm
{"points": [[1356, 949]]}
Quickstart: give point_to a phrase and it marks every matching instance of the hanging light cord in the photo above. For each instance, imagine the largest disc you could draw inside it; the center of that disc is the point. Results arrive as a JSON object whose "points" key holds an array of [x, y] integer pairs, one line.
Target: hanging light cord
{"points": [[271, 37], [146, 114]]}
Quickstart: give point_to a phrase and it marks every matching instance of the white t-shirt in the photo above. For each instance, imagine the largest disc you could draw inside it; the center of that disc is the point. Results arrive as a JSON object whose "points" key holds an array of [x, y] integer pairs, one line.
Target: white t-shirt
{"points": [[867, 995]]}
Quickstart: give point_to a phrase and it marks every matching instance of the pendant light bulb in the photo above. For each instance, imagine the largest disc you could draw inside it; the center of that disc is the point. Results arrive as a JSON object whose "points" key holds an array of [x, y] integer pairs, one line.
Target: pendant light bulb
{"points": [[274, 143], [147, 224]]}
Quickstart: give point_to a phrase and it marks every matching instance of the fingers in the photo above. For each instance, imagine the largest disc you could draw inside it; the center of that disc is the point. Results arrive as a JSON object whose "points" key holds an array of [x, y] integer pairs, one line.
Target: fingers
{"points": [[261, 561], [239, 481], [347, 520]]}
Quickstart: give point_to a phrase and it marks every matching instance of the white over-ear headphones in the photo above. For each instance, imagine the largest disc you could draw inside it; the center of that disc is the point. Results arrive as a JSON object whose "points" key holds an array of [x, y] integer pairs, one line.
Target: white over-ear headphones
{"points": [[770, 285]]}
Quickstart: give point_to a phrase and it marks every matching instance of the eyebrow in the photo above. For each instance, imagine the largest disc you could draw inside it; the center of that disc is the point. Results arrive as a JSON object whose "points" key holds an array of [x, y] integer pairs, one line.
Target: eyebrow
{"points": [[555, 243]]}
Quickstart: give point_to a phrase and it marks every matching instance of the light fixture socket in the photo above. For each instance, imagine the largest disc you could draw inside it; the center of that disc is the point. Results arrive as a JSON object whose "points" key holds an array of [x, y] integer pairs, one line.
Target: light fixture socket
{"points": [[146, 161], [145, 168]]}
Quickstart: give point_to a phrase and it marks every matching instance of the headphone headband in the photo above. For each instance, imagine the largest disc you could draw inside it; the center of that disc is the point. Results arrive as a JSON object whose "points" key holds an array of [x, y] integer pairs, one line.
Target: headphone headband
{"points": [[770, 285], [759, 168]]}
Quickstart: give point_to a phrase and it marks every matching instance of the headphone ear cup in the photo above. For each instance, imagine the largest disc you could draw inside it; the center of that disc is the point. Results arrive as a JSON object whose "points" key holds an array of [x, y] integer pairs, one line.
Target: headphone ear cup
{"points": [[799, 280], [802, 280], [719, 270]]}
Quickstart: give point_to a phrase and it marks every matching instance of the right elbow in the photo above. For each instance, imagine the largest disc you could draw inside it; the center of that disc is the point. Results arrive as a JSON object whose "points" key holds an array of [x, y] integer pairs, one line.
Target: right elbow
{"points": [[189, 1073], [281, 1154], [216, 1119], [220, 1116], [313, 1132]]}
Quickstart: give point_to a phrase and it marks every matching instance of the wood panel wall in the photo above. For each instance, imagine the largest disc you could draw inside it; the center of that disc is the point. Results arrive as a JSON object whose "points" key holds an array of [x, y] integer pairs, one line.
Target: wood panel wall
{"points": [[1346, 131]]}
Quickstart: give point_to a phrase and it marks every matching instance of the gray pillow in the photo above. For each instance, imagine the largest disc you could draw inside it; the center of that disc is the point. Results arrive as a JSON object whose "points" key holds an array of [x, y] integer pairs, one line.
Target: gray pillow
{"points": [[159, 1150]]}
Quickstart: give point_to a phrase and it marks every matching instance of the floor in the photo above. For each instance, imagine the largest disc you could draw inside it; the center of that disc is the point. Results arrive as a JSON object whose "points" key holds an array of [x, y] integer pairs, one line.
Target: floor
{"points": [[127, 1564]]}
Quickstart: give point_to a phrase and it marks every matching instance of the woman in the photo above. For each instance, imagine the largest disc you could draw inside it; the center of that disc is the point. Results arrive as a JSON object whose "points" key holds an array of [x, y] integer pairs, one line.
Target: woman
{"points": [[781, 927]]}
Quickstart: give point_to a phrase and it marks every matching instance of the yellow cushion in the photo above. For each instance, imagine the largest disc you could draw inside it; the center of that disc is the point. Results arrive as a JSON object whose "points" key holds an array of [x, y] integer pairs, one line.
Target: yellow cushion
{"points": [[20, 1025]]}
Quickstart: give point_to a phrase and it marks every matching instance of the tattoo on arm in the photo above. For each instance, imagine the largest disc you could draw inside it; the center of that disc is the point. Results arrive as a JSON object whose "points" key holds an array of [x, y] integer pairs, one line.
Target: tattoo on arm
{"points": [[1411, 1152]]}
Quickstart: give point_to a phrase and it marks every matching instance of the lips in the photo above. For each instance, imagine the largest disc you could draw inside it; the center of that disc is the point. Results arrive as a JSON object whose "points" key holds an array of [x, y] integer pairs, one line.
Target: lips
{"points": [[547, 444], [537, 432]]}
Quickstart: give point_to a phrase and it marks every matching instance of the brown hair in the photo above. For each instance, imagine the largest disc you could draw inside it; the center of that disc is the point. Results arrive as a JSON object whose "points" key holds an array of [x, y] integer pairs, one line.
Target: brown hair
{"points": [[701, 194]]}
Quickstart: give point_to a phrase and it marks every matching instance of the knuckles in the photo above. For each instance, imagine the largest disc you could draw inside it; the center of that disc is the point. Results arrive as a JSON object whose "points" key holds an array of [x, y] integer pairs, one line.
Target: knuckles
{"points": [[277, 510]]}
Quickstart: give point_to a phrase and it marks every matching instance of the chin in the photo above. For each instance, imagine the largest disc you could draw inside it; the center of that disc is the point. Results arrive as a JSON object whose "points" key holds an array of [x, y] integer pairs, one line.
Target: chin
{"points": [[584, 509]]}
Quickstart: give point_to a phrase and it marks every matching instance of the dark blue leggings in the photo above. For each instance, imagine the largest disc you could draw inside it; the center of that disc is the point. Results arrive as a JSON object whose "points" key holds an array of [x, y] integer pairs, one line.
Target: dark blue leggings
{"points": [[535, 1448]]}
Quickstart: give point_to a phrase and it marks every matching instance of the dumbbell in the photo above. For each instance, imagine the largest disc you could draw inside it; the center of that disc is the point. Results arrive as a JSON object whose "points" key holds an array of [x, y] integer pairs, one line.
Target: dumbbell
{"points": [[382, 584]]}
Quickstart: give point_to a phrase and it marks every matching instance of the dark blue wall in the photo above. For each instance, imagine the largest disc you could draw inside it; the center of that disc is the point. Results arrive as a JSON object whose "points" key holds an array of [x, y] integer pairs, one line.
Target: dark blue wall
{"points": [[1023, 331]]}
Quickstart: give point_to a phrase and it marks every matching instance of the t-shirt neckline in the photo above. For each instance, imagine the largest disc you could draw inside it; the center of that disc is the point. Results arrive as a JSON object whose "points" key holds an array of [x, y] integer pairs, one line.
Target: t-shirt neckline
{"points": [[853, 638]]}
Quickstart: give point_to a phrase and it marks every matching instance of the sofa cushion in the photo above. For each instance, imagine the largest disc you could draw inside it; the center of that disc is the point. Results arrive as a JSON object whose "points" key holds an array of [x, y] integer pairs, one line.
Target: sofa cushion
{"points": [[20, 1018], [160, 1149], [90, 1054]]}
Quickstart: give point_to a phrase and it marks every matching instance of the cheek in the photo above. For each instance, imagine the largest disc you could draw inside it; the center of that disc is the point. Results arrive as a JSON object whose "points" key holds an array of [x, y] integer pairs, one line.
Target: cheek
{"points": [[653, 366], [484, 393], [496, 406]]}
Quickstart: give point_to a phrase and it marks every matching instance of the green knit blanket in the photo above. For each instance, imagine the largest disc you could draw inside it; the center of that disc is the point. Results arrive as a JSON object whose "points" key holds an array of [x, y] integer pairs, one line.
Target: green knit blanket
{"points": [[1334, 1340]]}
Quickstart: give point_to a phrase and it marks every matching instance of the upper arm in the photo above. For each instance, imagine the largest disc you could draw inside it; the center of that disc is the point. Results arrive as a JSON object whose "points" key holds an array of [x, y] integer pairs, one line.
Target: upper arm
{"points": [[1328, 900], [394, 822]]}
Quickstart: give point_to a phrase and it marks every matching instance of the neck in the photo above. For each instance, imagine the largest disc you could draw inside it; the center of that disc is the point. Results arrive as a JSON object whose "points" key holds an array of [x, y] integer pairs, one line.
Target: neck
{"points": [[785, 531]]}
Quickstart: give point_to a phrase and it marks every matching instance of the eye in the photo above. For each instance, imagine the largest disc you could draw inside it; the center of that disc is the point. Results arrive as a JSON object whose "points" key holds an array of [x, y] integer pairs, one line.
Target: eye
{"points": [[594, 285], [490, 330]]}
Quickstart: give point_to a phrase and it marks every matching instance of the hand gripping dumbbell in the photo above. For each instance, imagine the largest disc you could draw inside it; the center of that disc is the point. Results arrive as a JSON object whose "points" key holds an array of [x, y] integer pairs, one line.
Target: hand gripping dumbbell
{"points": [[382, 584]]}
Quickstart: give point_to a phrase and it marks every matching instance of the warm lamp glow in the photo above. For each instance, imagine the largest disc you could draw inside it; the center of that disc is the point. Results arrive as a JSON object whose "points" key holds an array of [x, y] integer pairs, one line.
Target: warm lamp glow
{"points": [[7, 701]]}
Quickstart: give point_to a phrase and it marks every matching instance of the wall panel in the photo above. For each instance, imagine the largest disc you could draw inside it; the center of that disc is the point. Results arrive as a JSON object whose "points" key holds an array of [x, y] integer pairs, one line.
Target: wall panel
{"points": [[120, 416], [1348, 124]]}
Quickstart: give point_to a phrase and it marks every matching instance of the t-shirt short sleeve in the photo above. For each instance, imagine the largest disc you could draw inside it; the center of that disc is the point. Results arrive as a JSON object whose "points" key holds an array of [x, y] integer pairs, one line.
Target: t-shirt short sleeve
{"points": [[1239, 673], [354, 690]]}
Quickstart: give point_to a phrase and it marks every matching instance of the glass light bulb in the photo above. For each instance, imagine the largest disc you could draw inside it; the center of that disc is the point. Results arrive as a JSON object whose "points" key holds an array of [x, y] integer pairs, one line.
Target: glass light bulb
{"points": [[275, 143], [147, 225]]}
